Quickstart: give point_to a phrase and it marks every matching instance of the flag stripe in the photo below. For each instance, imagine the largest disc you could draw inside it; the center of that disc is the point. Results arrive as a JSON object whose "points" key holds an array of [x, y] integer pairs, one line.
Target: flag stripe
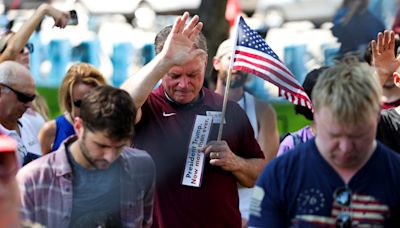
{"points": [[271, 74], [264, 69], [286, 91], [271, 78], [261, 58]]}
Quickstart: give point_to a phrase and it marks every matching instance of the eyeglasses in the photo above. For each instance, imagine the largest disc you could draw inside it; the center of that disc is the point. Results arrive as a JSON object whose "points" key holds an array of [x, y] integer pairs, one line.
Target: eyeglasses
{"points": [[22, 97], [342, 197], [28, 46], [77, 103]]}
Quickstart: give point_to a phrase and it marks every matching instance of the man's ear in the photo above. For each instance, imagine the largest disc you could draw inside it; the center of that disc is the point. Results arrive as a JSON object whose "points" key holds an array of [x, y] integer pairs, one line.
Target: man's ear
{"points": [[216, 63], [78, 126], [396, 79]]}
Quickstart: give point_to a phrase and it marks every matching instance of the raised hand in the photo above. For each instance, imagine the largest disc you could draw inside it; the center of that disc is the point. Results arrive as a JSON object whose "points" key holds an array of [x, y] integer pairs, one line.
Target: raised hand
{"points": [[179, 45], [383, 55], [60, 17]]}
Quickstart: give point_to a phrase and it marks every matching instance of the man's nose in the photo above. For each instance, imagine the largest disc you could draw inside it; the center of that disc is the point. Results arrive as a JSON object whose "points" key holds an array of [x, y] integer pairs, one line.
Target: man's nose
{"points": [[183, 82], [111, 154], [346, 145]]}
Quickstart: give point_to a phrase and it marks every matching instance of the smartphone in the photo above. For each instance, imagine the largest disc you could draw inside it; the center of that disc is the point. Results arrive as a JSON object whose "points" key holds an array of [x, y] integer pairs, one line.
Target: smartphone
{"points": [[73, 18]]}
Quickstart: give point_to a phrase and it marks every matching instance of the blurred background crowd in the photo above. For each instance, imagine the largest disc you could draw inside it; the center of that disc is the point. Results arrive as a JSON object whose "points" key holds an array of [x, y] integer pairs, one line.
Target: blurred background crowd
{"points": [[117, 36]]}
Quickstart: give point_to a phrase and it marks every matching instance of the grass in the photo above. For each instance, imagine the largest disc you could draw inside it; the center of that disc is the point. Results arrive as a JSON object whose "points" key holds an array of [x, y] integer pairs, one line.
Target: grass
{"points": [[288, 121], [51, 96]]}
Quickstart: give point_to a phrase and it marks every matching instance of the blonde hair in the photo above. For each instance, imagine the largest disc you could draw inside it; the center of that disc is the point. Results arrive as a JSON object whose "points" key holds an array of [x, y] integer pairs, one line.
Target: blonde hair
{"points": [[77, 73], [40, 106], [349, 90]]}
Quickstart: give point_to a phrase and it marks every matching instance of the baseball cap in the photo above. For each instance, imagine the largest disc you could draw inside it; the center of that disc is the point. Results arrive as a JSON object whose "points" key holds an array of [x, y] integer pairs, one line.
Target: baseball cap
{"points": [[7, 144], [225, 47], [308, 85], [8, 159]]}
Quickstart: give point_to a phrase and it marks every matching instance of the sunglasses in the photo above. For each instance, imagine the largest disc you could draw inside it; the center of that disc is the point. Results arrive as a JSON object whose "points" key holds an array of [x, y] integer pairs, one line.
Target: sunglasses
{"points": [[77, 103], [28, 46], [342, 197], [22, 97]]}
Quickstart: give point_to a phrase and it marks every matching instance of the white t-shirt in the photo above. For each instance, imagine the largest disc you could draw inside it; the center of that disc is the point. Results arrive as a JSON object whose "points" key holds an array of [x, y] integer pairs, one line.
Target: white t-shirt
{"points": [[35, 120], [27, 142]]}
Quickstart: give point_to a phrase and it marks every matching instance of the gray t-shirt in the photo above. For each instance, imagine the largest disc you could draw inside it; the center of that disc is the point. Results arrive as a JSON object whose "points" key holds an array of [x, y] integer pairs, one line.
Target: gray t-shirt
{"points": [[96, 196]]}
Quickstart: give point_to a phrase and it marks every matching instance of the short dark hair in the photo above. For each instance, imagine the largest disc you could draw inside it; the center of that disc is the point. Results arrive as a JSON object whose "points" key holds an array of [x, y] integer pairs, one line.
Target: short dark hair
{"points": [[110, 110], [161, 36], [368, 51], [308, 85]]}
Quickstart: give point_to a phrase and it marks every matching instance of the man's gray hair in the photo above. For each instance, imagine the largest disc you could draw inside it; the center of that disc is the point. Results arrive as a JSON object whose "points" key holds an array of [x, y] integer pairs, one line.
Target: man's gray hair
{"points": [[161, 37], [8, 72]]}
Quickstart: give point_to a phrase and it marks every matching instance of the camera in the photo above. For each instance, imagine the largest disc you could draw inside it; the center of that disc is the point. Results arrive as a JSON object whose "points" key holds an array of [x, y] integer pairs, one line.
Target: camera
{"points": [[73, 18]]}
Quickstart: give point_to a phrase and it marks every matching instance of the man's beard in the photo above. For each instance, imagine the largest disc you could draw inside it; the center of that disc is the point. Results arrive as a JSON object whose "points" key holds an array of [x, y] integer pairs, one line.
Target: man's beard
{"points": [[237, 80]]}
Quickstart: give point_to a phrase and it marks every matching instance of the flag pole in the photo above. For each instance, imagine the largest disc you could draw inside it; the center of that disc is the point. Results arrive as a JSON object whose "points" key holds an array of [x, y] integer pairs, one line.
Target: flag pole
{"points": [[228, 82]]}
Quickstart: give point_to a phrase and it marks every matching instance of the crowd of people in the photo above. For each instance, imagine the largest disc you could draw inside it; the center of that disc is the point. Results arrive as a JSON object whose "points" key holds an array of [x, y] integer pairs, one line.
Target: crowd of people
{"points": [[144, 155]]}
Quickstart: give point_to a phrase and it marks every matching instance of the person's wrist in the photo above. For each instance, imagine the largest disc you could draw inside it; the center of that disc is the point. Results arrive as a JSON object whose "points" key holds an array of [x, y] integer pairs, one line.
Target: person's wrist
{"points": [[382, 72], [166, 60], [44, 8]]}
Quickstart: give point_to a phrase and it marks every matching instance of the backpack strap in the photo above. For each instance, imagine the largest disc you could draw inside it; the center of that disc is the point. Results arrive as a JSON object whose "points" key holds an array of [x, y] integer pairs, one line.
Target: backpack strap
{"points": [[296, 139]]}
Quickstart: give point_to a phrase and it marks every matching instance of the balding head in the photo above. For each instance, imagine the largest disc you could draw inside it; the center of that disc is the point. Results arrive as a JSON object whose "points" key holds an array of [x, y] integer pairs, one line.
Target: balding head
{"points": [[15, 74], [17, 89]]}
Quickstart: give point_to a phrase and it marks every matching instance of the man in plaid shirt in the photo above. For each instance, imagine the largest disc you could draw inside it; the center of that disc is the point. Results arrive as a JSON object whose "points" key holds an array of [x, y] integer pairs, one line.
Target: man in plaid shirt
{"points": [[93, 179]]}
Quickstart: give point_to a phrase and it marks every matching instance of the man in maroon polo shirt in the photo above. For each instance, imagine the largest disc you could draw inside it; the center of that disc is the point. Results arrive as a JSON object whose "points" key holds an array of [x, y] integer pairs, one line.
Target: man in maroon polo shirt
{"points": [[178, 125]]}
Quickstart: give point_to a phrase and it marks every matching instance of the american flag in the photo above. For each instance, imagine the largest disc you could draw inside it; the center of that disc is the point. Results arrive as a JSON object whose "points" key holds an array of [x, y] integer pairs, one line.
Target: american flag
{"points": [[254, 56]]}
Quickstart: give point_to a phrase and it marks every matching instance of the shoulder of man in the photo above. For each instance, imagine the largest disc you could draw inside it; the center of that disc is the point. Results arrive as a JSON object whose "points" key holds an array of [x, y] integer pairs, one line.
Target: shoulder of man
{"points": [[137, 158], [297, 154], [41, 169]]}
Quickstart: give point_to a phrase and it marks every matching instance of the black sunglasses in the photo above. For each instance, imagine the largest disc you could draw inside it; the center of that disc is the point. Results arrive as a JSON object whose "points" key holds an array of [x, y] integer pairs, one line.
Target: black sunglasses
{"points": [[77, 103], [342, 197], [22, 97]]}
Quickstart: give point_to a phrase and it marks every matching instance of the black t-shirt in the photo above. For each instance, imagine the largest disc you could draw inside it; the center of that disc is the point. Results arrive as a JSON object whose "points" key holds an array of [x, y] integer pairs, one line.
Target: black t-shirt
{"points": [[388, 131]]}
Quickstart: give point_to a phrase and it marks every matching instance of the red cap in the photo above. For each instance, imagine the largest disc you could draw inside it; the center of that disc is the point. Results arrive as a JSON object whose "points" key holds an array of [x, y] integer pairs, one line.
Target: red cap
{"points": [[7, 144]]}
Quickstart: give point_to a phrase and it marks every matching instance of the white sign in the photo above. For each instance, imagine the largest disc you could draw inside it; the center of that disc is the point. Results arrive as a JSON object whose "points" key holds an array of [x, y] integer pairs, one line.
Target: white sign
{"points": [[216, 116], [195, 159]]}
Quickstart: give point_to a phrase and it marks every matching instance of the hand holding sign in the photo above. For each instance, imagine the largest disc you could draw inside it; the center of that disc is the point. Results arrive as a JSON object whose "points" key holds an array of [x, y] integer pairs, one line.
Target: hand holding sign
{"points": [[221, 155]]}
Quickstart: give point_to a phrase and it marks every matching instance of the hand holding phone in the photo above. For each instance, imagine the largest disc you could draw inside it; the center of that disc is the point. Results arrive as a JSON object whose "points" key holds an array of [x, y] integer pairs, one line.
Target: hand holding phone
{"points": [[73, 18]]}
